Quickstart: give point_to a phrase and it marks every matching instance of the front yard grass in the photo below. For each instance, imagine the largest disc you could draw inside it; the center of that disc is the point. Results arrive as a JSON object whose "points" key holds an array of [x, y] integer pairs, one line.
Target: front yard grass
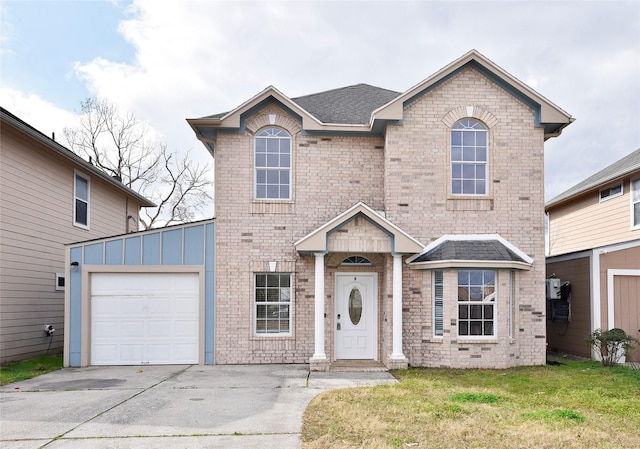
{"points": [[18, 371], [577, 405]]}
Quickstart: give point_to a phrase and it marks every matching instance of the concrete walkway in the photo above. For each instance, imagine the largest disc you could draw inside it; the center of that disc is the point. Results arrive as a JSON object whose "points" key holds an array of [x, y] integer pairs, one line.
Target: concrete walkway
{"points": [[214, 407]]}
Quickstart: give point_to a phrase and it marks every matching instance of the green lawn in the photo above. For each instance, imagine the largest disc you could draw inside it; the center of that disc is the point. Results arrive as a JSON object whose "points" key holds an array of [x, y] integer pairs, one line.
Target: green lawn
{"points": [[577, 405], [17, 371]]}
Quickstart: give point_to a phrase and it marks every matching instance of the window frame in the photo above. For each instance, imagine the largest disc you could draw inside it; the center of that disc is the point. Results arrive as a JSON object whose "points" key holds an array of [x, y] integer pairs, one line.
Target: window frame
{"points": [[60, 277], [611, 196], [76, 223], [634, 199], [266, 168], [462, 163], [493, 303], [279, 304]]}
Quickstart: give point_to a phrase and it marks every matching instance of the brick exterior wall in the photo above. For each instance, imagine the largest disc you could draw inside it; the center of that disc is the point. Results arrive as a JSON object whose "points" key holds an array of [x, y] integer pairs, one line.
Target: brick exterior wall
{"points": [[406, 175]]}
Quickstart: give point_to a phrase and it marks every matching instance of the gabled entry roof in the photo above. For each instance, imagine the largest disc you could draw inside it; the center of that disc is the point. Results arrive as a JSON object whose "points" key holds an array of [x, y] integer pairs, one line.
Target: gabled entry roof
{"points": [[317, 240], [470, 251]]}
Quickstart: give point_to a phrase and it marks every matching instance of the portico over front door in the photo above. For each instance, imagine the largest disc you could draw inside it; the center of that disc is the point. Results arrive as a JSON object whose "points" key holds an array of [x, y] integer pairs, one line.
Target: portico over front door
{"points": [[356, 316]]}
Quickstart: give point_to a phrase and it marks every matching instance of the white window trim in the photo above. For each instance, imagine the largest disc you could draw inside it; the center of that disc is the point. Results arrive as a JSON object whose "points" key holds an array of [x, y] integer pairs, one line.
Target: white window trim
{"points": [[486, 164], [611, 196], [57, 285], [77, 174], [255, 313], [472, 338], [631, 205], [255, 169]]}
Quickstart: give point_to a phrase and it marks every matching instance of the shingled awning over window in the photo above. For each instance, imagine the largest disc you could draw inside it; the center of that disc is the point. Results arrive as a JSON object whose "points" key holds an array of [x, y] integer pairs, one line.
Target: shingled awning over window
{"points": [[470, 251]]}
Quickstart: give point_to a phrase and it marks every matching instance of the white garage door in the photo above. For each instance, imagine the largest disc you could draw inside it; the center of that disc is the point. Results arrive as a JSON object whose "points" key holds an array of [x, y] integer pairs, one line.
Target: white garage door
{"points": [[144, 318]]}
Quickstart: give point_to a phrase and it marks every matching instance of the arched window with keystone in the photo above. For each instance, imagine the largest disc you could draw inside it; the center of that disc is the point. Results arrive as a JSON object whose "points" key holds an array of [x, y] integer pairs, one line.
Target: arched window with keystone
{"points": [[469, 158], [272, 164]]}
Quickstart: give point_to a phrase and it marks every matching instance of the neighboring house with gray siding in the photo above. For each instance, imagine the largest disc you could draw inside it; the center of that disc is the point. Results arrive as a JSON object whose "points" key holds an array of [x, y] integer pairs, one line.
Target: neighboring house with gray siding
{"points": [[49, 196], [594, 243]]}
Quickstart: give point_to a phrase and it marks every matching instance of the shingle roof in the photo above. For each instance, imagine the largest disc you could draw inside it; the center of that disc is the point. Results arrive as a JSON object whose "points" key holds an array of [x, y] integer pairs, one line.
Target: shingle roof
{"points": [[622, 167], [476, 250], [346, 105], [351, 105]]}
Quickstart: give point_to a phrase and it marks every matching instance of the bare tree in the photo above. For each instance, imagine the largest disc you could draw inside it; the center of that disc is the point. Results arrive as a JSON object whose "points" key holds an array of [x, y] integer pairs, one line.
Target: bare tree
{"points": [[119, 145]]}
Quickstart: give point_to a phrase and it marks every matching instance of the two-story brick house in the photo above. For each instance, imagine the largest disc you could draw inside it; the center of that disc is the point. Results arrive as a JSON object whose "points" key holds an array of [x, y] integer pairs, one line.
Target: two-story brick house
{"points": [[594, 245], [324, 204]]}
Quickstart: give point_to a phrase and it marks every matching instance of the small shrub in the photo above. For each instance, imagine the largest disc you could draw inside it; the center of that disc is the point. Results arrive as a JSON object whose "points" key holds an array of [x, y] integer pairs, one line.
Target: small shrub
{"points": [[611, 344]]}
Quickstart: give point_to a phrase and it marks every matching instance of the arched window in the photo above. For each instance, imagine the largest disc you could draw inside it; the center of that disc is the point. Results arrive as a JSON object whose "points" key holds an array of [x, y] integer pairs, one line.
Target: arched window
{"points": [[273, 164], [469, 158], [356, 260]]}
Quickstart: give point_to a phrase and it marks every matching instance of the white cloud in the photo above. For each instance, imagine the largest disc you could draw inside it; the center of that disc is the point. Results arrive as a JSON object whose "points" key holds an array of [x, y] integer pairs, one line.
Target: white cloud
{"points": [[196, 58], [40, 114]]}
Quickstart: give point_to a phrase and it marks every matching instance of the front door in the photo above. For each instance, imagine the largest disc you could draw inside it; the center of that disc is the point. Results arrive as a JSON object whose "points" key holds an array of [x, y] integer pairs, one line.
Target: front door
{"points": [[356, 316]]}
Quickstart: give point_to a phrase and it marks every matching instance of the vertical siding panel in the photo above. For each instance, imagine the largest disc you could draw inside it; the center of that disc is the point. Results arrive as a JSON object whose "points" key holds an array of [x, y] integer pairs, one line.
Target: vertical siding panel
{"points": [[151, 249], [194, 245], [113, 252], [94, 254], [75, 305], [132, 251], [172, 247], [209, 266]]}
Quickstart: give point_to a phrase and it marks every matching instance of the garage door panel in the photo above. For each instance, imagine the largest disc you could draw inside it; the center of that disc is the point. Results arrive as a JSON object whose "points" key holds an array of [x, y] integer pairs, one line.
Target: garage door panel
{"points": [[130, 329], [131, 353], [185, 328], [132, 305], [144, 318], [104, 328], [185, 306], [104, 353]]}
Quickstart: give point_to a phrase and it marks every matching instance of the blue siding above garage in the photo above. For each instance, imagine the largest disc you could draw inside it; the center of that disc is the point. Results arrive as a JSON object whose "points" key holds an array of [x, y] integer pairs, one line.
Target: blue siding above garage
{"points": [[183, 245]]}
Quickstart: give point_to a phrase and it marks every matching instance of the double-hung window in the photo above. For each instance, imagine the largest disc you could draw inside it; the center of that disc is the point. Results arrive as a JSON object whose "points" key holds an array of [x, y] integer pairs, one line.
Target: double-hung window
{"points": [[635, 203], [272, 303], [469, 158], [272, 164], [476, 303], [81, 201]]}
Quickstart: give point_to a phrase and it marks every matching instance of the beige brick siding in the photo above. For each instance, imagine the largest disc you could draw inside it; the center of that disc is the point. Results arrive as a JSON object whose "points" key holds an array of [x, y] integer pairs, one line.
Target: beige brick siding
{"points": [[406, 175]]}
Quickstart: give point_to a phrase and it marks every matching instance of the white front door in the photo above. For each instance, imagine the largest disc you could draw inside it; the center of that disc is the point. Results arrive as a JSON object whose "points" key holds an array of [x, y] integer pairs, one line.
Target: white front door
{"points": [[356, 316]]}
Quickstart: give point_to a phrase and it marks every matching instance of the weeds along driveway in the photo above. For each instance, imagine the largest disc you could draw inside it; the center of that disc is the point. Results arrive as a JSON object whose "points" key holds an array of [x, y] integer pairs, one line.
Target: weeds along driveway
{"points": [[239, 406]]}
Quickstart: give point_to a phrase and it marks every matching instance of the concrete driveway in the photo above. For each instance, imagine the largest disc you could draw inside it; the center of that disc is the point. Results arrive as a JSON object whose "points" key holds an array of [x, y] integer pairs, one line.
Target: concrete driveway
{"points": [[239, 406]]}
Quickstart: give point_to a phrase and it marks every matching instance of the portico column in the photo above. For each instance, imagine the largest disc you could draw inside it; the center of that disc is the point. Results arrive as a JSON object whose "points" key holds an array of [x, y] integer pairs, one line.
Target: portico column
{"points": [[319, 353], [397, 308]]}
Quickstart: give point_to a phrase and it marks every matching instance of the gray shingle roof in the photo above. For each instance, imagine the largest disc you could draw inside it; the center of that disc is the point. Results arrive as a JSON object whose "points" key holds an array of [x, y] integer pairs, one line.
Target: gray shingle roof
{"points": [[485, 250], [346, 105], [352, 105], [622, 167]]}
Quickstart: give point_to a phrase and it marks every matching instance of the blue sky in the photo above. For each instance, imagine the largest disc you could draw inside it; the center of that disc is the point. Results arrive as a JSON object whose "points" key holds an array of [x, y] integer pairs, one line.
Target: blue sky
{"points": [[42, 40], [166, 61]]}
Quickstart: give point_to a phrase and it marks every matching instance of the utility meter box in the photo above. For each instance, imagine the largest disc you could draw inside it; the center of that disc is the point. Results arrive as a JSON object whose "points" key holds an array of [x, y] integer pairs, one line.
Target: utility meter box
{"points": [[553, 289]]}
